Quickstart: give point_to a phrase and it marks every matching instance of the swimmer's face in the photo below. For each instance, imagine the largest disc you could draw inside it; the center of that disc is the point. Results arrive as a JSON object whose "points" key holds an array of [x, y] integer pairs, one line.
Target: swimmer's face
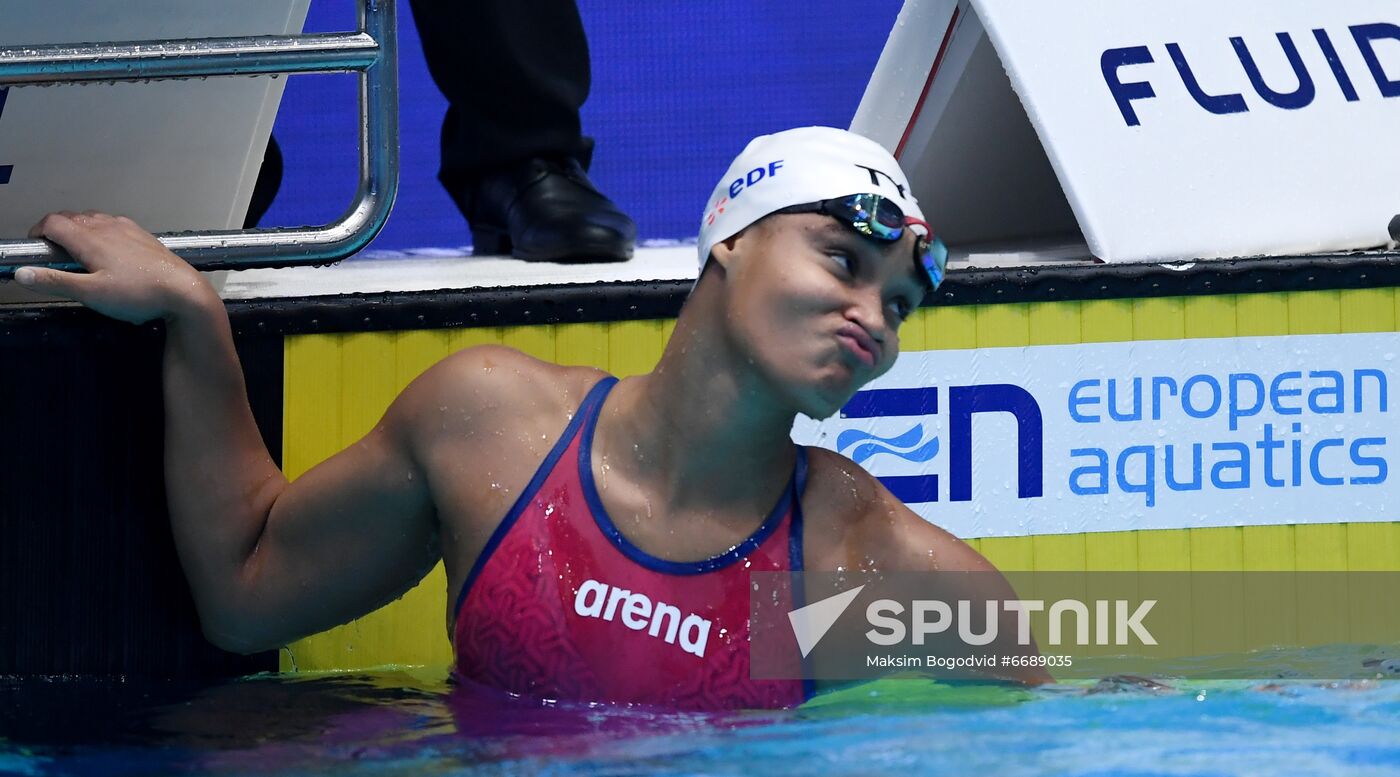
{"points": [[816, 306]]}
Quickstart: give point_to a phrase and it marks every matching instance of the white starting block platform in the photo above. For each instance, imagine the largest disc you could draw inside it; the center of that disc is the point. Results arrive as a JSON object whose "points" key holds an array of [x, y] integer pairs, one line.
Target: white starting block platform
{"points": [[173, 155], [1178, 130], [457, 269]]}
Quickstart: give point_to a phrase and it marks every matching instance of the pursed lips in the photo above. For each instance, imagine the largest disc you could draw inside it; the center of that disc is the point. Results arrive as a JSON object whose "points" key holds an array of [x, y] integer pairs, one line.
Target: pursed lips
{"points": [[859, 342]]}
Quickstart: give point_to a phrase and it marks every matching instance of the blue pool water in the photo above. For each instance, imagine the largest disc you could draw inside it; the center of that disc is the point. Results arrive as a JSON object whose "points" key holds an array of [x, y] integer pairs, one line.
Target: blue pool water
{"points": [[400, 723]]}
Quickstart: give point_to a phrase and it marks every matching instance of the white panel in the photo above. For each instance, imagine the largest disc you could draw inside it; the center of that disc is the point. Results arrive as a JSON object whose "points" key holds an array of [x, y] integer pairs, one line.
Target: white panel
{"points": [[1186, 182], [961, 135], [173, 155]]}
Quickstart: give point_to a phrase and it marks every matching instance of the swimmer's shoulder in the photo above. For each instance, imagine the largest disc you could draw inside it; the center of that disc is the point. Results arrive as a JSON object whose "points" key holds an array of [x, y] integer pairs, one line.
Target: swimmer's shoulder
{"points": [[497, 386], [852, 518]]}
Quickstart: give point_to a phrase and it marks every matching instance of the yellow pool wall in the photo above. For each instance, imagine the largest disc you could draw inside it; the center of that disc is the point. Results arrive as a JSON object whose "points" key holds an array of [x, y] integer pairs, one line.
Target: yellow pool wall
{"points": [[337, 386]]}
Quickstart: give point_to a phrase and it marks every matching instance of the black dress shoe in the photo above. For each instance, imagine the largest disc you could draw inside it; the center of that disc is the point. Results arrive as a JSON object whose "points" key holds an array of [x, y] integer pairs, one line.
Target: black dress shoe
{"points": [[546, 210]]}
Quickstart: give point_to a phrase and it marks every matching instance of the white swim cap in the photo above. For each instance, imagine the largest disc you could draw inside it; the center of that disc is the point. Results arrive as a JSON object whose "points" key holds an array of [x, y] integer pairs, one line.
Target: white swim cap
{"points": [[796, 167]]}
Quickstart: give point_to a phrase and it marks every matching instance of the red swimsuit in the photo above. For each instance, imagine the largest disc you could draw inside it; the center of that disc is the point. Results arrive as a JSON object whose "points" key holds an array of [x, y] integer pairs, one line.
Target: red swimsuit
{"points": [[560, 605]]}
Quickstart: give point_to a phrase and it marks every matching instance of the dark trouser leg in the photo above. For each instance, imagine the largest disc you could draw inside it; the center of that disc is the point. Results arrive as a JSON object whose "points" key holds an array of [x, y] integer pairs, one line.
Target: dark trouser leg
{"points": [[515, 73]]}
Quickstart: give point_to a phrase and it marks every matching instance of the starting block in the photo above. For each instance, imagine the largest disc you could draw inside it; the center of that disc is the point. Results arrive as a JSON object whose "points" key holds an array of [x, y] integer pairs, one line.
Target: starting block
{"points": [[1158, 131], [173, 155]]}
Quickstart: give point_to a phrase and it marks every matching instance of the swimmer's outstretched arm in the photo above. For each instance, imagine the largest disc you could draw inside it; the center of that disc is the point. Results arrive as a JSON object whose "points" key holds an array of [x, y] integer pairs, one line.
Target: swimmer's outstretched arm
{"points": [[267, 561]]}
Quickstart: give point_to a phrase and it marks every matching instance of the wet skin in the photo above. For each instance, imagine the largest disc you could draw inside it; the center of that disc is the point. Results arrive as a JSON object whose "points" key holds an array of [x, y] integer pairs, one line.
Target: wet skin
{"points": [[794, 314]]}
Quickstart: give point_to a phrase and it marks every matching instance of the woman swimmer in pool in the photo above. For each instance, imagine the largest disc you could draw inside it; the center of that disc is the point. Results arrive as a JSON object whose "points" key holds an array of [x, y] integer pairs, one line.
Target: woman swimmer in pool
{"points": [[598, 535]]}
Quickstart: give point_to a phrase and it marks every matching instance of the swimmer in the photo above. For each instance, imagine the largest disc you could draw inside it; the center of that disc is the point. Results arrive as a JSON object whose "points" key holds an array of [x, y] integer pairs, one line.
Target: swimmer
{"points": [[597, 534]]}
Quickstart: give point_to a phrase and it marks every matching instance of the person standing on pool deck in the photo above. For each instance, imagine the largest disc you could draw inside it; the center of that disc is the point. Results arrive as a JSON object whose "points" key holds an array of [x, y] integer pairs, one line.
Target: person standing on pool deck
{"points": [[598, 534]]}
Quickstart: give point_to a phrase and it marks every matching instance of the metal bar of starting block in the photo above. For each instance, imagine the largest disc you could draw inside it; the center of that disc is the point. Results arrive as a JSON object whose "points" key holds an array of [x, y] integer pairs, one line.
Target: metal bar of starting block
{"points": [[372, 52]]}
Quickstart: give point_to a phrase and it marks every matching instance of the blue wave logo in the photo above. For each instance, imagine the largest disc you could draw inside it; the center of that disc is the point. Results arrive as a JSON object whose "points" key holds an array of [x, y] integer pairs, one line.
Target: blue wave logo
{"points": [[906, 446]]}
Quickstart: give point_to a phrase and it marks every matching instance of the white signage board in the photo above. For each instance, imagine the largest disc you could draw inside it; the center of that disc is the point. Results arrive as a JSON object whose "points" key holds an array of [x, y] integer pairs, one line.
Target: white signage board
{"points": [[1176, 130], [174, 155], [1138, 435]]}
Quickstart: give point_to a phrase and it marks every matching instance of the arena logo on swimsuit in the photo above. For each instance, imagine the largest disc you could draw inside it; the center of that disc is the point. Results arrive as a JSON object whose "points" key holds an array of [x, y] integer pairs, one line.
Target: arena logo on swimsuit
{"points": [[1365, 37], [638, 612], [963, 403]]}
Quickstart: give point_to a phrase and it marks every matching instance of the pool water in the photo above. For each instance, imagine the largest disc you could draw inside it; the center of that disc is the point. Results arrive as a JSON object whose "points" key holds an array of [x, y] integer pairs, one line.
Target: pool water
{"points": [[415, 722]]}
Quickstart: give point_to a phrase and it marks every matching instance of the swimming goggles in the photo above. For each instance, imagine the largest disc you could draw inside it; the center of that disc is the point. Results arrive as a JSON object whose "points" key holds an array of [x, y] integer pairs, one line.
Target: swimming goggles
{"points": [[878, 218]]}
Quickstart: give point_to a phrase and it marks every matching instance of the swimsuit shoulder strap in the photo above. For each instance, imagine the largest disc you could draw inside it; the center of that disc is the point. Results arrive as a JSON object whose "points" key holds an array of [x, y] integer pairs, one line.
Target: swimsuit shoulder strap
{"points": [[586, 415]]}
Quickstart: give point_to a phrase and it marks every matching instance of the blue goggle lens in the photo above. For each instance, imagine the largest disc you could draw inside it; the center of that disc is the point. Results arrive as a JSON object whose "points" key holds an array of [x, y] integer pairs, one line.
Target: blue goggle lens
{"points": [[879, 218]]}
